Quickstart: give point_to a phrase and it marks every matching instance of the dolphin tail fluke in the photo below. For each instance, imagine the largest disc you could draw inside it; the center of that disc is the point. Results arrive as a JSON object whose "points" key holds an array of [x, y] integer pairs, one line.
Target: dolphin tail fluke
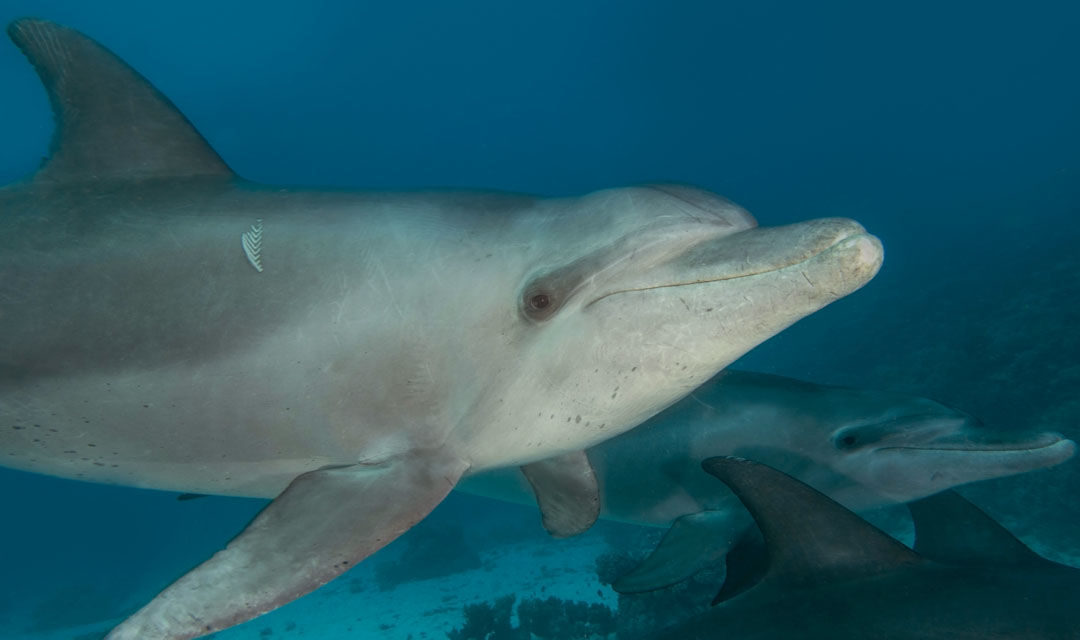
{"points": [[111, 123], [321, 525], [566, 491], [693, 542]]}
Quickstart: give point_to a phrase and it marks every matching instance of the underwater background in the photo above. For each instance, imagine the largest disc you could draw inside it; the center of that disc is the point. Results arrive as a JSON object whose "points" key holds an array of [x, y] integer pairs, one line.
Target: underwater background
{"points": [[950, 130]]}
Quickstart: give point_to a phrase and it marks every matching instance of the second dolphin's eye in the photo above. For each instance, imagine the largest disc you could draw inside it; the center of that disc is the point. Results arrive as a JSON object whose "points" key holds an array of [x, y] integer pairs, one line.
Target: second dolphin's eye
{"points": [[847, 439]]}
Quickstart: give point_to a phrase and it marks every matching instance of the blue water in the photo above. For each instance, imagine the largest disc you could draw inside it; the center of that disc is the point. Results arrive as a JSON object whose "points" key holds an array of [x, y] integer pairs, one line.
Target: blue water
{"points": [[950, 130]]}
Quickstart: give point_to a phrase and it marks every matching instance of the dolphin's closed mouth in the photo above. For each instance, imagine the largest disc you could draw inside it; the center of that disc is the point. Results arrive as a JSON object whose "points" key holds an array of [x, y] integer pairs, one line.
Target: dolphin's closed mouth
{"points": [[1050, 450], [866, 245]]}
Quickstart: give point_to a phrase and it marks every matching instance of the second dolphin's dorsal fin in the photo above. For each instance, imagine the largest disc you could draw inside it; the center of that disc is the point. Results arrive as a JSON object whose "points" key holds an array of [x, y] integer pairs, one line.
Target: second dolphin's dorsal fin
{"points": [[809, 538], [111, 123], [950, 529]]}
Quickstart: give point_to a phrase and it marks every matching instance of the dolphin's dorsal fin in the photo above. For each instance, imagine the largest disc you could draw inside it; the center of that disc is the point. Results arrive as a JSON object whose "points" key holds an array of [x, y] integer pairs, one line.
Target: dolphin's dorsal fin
{"points": [[111, 123], [809, 538], [951, 530]]}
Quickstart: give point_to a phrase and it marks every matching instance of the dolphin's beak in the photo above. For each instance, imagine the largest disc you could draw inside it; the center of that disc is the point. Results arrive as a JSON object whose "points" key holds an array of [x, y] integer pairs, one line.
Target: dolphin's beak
{"points": [[978, 459], [832, 255]]}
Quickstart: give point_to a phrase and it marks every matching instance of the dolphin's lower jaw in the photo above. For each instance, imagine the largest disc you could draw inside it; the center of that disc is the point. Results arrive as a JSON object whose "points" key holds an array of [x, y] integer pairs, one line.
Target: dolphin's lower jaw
{"points": [[961, 463]]}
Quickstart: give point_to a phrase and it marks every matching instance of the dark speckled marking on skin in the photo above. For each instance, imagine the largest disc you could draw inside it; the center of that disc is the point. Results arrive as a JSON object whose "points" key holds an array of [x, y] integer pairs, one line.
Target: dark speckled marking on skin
{"points": [[577, 420], [17, 427]]}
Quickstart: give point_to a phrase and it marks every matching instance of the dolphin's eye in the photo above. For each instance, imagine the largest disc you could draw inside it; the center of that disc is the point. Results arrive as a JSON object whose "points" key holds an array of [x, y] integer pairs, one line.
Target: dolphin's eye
{"points": [[846, 441], [539, 301]]}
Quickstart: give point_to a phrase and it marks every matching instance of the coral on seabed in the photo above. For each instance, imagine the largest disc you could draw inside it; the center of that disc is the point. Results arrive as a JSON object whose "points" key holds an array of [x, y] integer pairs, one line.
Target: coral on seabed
{"points": [[550, 619], [555, 619], [644, 615], [489, 621]]}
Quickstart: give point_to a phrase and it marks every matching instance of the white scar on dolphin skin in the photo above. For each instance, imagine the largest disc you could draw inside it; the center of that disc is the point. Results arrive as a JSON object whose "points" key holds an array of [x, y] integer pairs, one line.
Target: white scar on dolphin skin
{"points": [[866, 449], [251, 243], [359, 352]]}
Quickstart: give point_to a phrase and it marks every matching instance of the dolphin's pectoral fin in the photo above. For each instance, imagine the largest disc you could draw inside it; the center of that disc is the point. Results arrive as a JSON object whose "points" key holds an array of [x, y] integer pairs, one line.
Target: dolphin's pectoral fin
{"points": [[110, 121], [321, 525], [692, 543], [566, 491]]}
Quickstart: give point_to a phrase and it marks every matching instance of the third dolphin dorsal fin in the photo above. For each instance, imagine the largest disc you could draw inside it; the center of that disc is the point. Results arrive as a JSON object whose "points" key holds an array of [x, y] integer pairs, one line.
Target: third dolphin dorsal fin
{"points": [[809, 538], [111, 123], [951, 530]]}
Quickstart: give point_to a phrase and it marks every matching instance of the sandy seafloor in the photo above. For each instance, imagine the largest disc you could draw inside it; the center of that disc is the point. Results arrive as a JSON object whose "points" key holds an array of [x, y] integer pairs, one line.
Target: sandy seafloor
{"points": [[514, 554], [353, 606], [950, 131]]}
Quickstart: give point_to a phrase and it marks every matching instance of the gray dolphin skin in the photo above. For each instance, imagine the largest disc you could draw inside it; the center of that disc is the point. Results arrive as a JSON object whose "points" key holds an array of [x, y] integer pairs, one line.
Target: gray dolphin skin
{"points": [[166, 324], [832, 575], [863, 448]]}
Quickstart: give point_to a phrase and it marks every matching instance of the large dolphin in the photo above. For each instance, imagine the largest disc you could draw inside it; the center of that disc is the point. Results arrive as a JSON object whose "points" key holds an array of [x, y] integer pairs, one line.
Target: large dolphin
{"points": [[167, 324], [864, 448], [833, 576]]}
